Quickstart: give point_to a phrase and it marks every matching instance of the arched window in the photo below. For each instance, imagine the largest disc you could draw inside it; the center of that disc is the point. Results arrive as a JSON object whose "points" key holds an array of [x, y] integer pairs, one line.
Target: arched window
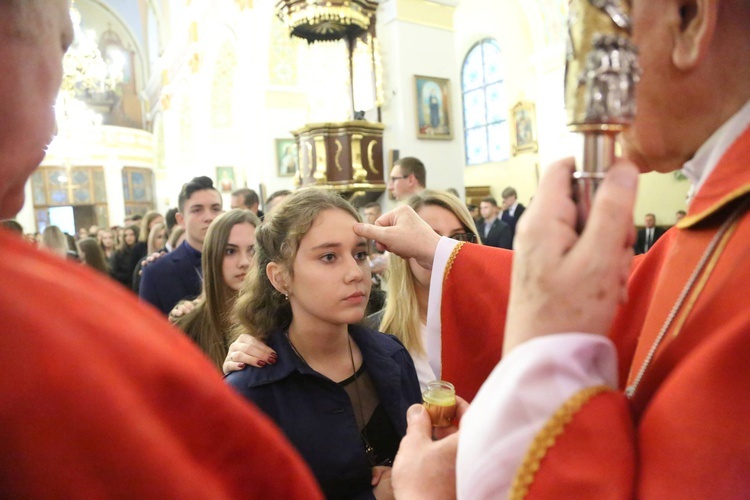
{"points": [[486, 131]]}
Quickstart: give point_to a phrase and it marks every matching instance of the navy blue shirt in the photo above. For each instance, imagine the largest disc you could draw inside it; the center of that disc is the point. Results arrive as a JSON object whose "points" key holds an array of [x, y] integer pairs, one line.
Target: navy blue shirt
{"points": [[316, 413]]}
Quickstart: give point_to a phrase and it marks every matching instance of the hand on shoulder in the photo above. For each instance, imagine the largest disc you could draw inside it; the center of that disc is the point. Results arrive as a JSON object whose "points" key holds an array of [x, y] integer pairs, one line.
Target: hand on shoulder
{"points": [[182, 308], [247, 350]]}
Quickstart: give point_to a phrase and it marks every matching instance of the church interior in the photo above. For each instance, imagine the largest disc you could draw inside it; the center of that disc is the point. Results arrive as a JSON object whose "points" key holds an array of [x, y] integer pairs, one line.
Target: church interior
{"points": [[275, 95]]}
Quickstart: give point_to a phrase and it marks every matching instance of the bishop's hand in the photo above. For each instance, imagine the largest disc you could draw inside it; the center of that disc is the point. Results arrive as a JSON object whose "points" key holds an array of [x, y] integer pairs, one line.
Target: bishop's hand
{"points": [[563, 281]]}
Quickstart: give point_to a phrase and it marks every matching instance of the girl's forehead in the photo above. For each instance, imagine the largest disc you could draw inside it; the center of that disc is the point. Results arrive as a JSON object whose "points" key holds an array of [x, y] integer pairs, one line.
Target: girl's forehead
{"points": [[331, 226]]}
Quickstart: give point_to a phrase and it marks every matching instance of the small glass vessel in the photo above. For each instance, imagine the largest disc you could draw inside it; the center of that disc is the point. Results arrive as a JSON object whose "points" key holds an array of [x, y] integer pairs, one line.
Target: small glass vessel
{"points": [[440, 400]]}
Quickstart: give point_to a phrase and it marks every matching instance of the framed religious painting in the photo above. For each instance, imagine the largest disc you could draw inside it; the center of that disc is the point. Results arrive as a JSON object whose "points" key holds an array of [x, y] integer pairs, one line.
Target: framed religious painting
{"points": [[225, 180], [523, 128], [286, 157], [433, 98]]}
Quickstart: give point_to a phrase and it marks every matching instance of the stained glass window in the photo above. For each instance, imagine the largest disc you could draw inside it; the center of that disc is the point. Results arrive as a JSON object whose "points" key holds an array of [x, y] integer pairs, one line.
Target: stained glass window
{"points": [[138, 190], [80, 186], [485, 104]]}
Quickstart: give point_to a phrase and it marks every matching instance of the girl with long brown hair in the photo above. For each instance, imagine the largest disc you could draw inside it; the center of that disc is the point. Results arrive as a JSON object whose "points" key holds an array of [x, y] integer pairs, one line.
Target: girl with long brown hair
{"points": [[228, 252]]}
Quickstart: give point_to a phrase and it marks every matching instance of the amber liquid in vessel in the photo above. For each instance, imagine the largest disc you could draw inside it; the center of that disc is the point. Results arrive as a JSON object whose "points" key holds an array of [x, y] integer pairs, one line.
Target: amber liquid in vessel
{"points": [[440, 401]]}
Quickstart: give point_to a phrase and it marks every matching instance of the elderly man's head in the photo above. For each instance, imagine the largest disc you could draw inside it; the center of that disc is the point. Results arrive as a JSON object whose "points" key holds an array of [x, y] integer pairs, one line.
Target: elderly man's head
{"points": [[245, 198], [687, 50], [34, 35], [649, 221]]}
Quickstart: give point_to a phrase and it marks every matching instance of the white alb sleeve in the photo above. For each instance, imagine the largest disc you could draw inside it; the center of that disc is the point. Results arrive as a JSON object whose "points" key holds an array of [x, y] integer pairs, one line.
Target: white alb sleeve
{"points": [[518, 398], [433, 346]]}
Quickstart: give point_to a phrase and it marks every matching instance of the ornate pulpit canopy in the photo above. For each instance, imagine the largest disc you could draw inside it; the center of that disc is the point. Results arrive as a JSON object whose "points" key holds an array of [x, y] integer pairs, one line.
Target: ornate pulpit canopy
{"points": [[325, 20]]}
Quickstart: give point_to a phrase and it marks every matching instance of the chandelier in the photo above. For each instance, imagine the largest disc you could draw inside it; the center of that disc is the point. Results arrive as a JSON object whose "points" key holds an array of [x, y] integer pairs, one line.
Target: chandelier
{"points": [[326, 20], [88, 82], [86, 75]]}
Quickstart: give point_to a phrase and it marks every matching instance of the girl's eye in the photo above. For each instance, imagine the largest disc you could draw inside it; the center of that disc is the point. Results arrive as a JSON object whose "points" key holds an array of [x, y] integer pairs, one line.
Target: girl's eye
{"points": [[229, 251], [329, 257], [361, 256]]}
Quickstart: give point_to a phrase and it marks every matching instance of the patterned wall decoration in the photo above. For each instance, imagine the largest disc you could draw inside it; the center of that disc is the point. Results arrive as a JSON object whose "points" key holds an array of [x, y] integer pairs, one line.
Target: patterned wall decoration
{"points": [[186, 126], [555, 20], [283, 57], [222, 87]]}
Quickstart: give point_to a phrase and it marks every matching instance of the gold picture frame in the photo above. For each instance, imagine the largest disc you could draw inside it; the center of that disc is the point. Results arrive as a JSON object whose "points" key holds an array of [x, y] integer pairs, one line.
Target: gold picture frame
{"points": [[226, 182], [287, 160], [523, 128], [433, 108]]}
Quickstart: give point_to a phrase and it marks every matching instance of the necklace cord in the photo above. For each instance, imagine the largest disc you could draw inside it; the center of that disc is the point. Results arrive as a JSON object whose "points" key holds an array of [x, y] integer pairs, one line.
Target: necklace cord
{"points": [[369, 450], [630, 390]]}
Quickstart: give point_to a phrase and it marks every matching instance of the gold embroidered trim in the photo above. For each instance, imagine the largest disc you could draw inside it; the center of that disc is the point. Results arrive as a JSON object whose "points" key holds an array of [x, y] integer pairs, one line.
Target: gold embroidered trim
{"points": [[704, 278], [690, 220], [545, 439], [451, 259]]}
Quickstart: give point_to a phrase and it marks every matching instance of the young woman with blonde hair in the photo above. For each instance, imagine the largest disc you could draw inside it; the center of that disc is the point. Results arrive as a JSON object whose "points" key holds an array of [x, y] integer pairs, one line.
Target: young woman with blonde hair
{"points": [[150, 219], [107, 239], [147, 224], [339, 391], [157, 238], [405, 312], [227, 255], [54, 240]]}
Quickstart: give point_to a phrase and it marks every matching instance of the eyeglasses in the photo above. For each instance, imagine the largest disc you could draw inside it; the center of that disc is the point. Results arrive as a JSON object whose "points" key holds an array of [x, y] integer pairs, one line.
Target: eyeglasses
{"points": [[395, 178], [467, 237]]}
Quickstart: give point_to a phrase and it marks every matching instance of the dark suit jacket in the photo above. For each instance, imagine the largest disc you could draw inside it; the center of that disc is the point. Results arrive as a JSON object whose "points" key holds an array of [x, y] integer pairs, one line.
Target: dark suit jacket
{"points": [[500, 235], [172, 278], [512, 221], [119, 266], [640, 242]]}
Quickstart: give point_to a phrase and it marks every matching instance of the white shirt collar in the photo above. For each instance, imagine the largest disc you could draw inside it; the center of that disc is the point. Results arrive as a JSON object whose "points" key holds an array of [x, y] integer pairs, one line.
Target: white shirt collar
{"points": [[700, 166]]}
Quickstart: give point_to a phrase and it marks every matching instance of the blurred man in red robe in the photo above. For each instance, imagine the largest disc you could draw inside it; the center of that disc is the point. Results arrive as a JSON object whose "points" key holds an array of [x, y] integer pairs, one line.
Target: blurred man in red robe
{"points": [[100, 396]]}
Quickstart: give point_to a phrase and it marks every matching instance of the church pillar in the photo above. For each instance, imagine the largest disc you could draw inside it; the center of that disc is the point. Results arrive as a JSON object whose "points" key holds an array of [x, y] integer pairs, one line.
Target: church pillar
{"points": [[417, 38]]}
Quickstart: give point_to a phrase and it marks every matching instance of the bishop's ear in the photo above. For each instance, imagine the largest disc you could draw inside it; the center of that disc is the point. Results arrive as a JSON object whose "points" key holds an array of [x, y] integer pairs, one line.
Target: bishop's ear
{"points": [[694, 33]]}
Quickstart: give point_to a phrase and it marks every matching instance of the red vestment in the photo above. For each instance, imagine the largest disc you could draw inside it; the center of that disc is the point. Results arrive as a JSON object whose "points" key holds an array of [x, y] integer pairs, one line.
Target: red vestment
{"points": [[683, 434], [101, 397]]}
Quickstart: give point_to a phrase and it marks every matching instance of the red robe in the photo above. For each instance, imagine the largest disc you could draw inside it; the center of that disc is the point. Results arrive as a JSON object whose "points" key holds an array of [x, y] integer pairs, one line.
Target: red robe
{"points": [[101, 397], [684, 433]]}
